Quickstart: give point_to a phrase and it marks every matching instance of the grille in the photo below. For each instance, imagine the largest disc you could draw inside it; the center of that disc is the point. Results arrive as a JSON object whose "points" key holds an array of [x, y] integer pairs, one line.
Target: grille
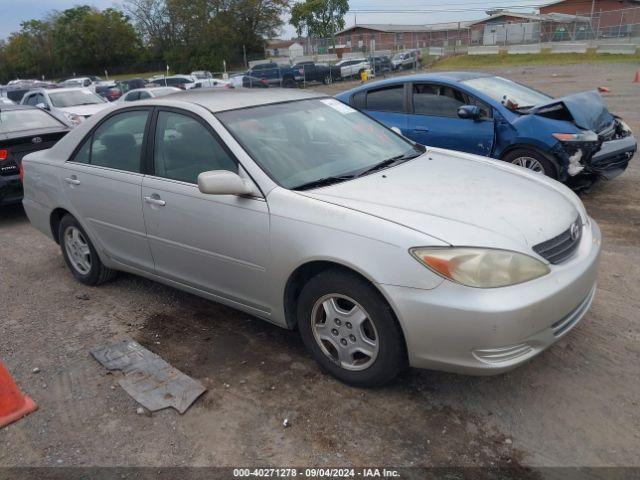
{"points": [[560, 248]]}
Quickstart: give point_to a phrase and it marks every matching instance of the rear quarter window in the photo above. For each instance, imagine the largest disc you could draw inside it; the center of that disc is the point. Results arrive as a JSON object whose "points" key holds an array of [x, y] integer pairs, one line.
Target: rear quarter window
{"points": [[359, 100]]}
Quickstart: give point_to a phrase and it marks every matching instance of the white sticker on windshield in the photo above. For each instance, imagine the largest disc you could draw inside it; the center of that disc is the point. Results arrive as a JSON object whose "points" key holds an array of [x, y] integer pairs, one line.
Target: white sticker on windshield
{"points": [[339, 106]]}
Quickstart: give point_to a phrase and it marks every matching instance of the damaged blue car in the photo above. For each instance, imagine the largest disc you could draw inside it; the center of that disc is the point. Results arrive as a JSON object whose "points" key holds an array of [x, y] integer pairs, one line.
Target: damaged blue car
{"points": [[573, 139]]}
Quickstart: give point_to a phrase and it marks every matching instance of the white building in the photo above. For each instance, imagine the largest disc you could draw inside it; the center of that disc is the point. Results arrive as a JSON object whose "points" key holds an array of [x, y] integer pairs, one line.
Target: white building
{"points": [[284, 48]]}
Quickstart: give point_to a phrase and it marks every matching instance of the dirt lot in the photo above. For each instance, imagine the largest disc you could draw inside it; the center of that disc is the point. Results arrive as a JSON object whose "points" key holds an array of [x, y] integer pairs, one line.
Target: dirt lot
{"points": [[576, 404]]}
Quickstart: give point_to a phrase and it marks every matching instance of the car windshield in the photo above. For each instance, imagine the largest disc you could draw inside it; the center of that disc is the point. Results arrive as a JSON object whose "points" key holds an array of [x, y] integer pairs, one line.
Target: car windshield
{"points": [[501, 90], [72, 83], [74, 98], [28, 119], [398, 56], [299, 143]]}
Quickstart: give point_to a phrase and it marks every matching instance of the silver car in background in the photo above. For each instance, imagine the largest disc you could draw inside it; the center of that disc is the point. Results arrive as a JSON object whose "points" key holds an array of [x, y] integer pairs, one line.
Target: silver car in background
{"points": [[71, 105], [297, 209]]}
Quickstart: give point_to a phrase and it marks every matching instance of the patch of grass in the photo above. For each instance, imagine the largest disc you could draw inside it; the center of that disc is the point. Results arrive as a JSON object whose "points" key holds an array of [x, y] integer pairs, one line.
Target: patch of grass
{"points": [[544, 58]]}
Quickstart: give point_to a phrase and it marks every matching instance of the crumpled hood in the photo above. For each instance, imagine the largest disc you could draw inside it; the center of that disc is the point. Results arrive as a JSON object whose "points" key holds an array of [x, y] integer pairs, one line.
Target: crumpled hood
{"points": [[86, 110], [461, 200], [587, 109]]}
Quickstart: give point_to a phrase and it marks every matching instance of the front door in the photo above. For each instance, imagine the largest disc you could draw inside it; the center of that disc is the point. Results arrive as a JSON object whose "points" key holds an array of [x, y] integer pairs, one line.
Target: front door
{"points": [[216, 243], [435, 122], [103, 182]]}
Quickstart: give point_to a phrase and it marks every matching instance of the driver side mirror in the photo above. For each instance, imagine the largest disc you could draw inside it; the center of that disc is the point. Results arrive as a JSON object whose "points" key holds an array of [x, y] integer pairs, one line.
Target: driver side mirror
{"points": [[224, 182], [43, 106], [469, 112]]}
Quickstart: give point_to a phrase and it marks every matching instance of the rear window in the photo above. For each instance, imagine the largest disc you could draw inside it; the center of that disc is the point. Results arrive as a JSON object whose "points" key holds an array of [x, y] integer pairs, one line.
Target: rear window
{"points": [[18, 120], [73, 98]]}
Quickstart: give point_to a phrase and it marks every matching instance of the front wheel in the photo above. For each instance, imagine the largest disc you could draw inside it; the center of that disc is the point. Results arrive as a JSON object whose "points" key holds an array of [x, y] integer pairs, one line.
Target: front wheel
{"points": [[328, 80], [80, 255], [350, 330], [532, 160]]}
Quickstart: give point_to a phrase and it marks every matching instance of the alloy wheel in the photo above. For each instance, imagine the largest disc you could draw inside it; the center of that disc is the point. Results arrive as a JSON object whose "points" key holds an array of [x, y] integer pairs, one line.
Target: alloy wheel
{"points": [[529, 163], [78, 250]]}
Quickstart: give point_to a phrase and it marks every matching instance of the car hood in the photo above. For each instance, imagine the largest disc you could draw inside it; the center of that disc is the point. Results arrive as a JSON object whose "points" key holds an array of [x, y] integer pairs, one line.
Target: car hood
{"points": [[586, 109], [85, 110], [462, 200]]}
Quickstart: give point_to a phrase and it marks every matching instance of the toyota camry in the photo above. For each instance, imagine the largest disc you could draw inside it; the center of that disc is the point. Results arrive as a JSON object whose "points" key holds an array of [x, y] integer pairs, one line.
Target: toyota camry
{"points": [[300, 210]]}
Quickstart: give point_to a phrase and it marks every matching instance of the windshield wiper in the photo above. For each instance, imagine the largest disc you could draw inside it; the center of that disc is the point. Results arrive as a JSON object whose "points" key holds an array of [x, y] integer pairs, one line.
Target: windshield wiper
{"points": [[389, 162], [323, 182]]}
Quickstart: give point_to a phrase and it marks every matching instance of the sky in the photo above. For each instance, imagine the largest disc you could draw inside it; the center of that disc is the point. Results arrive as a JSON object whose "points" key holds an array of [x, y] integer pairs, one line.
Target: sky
{"points": [[12, 12]]}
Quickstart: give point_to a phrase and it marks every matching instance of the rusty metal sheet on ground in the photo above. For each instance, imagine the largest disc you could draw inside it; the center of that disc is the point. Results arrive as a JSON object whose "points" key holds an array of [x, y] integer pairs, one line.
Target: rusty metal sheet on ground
{"points": [[150, 380]]}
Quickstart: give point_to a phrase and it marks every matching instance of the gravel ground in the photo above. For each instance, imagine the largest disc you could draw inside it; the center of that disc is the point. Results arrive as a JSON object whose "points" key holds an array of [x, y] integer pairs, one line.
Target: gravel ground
{"points": [[576, 404]]}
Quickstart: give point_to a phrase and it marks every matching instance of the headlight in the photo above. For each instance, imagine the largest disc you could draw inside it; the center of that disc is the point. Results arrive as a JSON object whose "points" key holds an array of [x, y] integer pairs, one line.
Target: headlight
{"points": [[480, 267], [587, 136], [73, 118], [623, 126]]}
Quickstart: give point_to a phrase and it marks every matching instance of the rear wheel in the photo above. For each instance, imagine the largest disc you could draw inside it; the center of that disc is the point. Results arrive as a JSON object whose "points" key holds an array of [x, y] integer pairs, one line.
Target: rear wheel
{"points": [[532, 160], [328, 80], [350, 330], [80, 255]]}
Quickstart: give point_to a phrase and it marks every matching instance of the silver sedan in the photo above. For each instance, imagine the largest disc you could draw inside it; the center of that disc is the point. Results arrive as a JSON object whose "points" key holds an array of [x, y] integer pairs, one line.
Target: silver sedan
{"points": [[297, 209]]}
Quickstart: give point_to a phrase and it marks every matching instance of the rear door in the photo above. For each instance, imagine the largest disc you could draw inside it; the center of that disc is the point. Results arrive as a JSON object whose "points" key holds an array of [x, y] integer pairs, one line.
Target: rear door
{"points": [[103, 181], [387, 105], [434, 120]]}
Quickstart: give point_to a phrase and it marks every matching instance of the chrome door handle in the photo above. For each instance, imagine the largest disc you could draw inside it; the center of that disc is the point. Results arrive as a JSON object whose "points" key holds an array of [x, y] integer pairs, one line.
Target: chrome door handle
{"points": [[155, 201], [72, 180]]}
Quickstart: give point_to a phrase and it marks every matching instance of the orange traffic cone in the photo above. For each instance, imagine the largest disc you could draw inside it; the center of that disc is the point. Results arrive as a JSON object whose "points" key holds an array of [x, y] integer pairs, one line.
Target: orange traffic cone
{"points": [[637, 79], [13, 404]]}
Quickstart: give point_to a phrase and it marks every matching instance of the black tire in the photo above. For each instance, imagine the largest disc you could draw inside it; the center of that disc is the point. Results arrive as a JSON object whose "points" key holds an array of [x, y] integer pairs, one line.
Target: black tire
{"points": [[289, 83], [549, 167], [328, 80], [97, 272], [391, 357]]}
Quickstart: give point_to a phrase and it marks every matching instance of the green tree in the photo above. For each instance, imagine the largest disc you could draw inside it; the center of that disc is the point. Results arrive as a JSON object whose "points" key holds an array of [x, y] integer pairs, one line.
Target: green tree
{"points": [[319, 18]]}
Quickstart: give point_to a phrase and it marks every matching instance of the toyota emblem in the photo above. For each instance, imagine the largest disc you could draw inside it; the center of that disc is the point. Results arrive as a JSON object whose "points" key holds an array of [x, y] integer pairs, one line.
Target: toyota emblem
{"points": [[574, 231], [36, 140]]}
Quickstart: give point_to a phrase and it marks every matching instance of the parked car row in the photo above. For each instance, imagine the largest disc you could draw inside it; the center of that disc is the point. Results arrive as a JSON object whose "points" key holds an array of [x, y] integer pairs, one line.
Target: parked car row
{"points": [[381, 252]]}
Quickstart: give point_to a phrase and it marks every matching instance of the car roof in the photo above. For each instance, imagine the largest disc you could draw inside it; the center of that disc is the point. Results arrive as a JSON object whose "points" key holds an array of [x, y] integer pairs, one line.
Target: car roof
{"points": [[60, 90], [221, 100], [445, 77], [6, 108]]}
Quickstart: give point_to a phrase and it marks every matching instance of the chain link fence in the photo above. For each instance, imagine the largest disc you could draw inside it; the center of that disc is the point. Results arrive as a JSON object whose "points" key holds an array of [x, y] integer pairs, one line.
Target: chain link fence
{"points": [[615, 31]]}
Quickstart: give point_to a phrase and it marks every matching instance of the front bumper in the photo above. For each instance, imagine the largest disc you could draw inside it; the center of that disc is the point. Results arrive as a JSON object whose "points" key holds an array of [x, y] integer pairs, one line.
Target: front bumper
{"points": [[613, 157], [489, 331], [10, 190]]}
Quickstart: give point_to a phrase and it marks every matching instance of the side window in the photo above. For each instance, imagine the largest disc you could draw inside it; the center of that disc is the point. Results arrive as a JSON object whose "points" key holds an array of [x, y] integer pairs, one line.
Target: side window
{"points": [[144, 95], [40, 99], [32, 100], [133, 96], [436, 100], [359, 100], [84, 154], [390, 99], [86, 82], [117, 143], [487, 111], [184, 148]]}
